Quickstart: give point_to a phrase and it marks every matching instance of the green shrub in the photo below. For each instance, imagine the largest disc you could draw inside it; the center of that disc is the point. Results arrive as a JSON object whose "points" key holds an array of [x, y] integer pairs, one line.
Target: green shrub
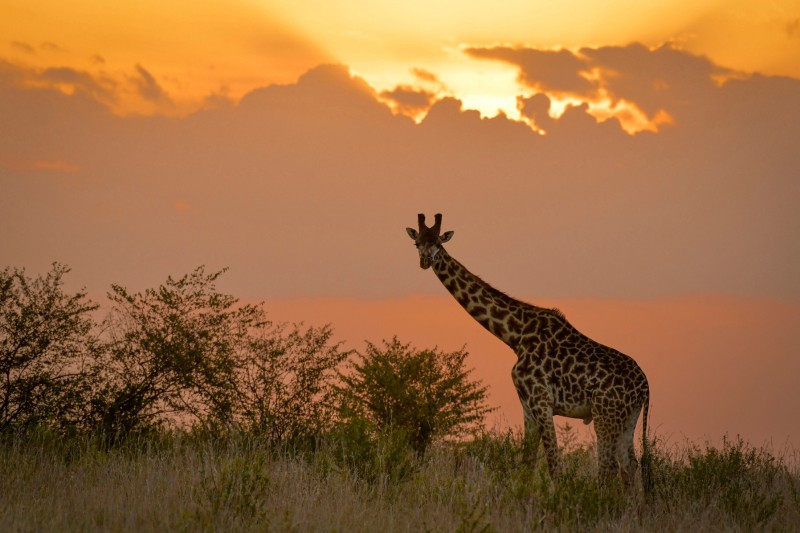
{"points": [[422, 394]]}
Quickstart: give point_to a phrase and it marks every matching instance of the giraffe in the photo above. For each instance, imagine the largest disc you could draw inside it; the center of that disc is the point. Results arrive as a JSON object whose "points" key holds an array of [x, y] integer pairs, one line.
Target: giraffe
{"points": [[559, 371]]}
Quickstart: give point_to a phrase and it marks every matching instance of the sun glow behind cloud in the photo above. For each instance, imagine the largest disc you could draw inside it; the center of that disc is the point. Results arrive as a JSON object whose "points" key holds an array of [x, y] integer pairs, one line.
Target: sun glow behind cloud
{"points": [[382, 41], [173, 58]]}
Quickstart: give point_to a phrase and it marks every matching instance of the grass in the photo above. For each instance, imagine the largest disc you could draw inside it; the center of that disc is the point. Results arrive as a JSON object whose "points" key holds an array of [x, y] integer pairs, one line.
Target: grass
{"points": [[242, 483]]}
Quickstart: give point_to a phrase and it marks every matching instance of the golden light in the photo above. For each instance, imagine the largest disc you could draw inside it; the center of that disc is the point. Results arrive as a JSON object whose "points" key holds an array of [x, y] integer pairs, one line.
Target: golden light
{"points": [[225, 48]]}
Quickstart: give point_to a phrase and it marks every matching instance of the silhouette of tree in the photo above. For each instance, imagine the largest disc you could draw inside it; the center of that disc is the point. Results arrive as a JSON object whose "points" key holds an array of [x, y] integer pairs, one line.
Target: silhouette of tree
{"points": [[422, 394], [45, 344], [171, 355], [284, 380]]}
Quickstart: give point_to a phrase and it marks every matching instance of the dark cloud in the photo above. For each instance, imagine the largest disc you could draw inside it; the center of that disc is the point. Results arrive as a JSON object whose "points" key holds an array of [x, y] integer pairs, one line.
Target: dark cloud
{"points": [[664, 78], [93, 89], [425, 76], [148, 87], [80, 81], [304, 189], [558, 71], [661, 80], [409, 100], [536, 109], [23, 47]]}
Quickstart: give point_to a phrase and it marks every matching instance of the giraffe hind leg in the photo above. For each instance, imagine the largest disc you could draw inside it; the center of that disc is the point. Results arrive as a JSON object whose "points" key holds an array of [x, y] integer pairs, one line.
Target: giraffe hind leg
{"points": [[607, 443], [625, 451]]}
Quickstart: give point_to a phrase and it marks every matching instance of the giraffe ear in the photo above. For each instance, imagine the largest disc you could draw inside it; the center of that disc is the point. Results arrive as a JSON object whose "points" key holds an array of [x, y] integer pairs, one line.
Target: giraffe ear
{"points": [[447, 235], [412, 233]]}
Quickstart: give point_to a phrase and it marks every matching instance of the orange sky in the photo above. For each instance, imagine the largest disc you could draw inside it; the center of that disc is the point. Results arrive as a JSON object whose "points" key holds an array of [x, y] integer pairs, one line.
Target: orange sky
{"points": [[643, 178], [684, 344], [197, 49]]}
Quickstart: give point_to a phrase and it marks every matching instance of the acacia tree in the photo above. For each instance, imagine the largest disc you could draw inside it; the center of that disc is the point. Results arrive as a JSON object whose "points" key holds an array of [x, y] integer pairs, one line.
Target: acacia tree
{"points": [[171, 355], [424, 394], [185, 354], [45, 340]]}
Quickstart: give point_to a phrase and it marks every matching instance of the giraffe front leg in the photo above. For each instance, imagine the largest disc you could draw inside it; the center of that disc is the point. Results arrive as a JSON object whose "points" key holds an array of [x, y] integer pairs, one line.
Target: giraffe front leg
{"points": [[539, 415], [551, 445]]}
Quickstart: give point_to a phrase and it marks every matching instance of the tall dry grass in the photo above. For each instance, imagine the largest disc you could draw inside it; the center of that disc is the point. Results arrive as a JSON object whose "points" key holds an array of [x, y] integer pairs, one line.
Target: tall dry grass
{"points": [[242, 483]]}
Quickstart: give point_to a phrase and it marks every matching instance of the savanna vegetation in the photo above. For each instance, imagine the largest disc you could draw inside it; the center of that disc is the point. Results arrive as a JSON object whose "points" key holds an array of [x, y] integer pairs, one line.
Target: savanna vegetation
{"points": [[184, 409]]}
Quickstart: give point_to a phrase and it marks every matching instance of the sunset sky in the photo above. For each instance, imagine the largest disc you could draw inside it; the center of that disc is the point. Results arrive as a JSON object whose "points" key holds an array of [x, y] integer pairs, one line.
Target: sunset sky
{"points": [[635, 164]]}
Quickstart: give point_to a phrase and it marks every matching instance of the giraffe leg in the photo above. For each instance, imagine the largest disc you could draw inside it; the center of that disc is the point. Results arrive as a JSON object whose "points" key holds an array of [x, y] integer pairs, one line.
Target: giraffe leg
{"points": [[551, 445], [607, 466], [539, 418], [531, 439], [542, 412], [625, 452], [628, 464]]}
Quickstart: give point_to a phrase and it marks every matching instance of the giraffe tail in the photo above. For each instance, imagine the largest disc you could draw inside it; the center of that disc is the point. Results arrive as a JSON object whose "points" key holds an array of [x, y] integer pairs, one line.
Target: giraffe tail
{"points": [[647, 472]]}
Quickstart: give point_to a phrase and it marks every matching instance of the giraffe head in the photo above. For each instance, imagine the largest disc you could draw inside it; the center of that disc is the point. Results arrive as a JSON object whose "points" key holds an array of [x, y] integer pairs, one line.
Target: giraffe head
{"points": [[428, 240]]}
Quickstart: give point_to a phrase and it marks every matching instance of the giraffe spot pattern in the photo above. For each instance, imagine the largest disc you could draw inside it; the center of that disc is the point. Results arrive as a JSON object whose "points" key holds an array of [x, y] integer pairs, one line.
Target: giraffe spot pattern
{"points": [[559, 371]]}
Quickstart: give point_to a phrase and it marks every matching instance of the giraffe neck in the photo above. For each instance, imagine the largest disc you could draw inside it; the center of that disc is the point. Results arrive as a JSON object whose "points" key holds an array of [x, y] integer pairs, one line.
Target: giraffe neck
{"points": [[502, 315]]}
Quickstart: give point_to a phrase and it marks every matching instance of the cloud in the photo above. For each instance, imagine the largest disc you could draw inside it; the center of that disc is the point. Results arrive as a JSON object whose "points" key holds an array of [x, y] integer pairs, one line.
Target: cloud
{"points": [[663, 78], [103, 90], [306, 188], [408, 100], [23, 47], [641, 87], [148, 87], [536, 109], [425, 76], [557, 71], [24, 85]]}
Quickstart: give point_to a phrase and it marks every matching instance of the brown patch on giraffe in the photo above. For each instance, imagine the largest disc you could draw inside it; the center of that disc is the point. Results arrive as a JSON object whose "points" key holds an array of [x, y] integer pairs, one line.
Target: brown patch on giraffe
{"points": [[498, 329], [479, 311], [499, 313]]}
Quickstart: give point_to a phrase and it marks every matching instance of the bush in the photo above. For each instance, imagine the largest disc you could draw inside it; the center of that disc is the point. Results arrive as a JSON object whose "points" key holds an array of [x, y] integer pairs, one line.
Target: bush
{"points": [[284, 379], [172, 355], [737, 478], [423, 394], [45, 344], [186, 355]]}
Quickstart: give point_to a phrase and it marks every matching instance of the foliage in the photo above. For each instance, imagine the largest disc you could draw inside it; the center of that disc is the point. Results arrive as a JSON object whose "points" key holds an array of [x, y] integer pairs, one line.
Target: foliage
{"points": [[738, 478], [171, 355], [422, 394], [45, 341], [374, 456], [283, 381]]}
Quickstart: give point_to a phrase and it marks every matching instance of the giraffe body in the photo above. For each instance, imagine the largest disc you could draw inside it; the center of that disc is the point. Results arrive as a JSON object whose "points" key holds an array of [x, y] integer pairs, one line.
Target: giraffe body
{"points": [[559, 371]]}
